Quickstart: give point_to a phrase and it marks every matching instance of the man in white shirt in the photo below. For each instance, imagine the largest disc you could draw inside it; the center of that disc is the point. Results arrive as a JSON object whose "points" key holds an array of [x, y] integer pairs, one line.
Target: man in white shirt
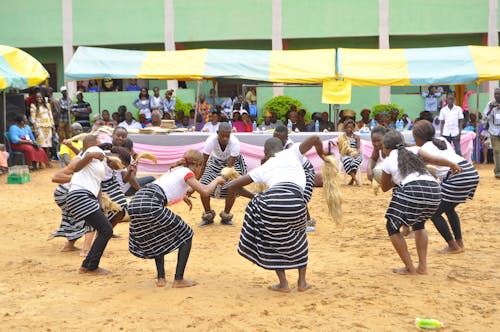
{"points": [[129, 122], [451, 117], [492, 115]]}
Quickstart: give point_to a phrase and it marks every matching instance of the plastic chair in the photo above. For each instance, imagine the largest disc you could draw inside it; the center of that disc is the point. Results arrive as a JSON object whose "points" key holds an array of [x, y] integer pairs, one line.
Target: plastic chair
{"points": [[13, 155]]}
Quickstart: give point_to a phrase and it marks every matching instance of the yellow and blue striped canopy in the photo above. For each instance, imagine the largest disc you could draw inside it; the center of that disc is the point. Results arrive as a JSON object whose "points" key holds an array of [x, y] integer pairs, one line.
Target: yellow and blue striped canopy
{"points": [[418, 66], [303, 66], [19, 70]]}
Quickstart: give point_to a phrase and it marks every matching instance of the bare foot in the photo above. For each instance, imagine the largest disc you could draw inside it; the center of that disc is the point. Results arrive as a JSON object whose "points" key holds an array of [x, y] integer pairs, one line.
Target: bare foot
{"points": [[404, 271], [84, 253], [97, 272], [421, 271], [279, 288], [449, 250], [351, 182], [161, 282], [69, 247], [183, 283], [303, 288]]}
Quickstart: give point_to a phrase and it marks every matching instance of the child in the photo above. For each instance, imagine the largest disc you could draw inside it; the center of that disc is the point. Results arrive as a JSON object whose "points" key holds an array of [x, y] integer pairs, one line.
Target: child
{"points": [[4, 157], [376, 158], [273, 234], [349, 144], [455, 188], [154, 229], [415, 198], [82, 202]]}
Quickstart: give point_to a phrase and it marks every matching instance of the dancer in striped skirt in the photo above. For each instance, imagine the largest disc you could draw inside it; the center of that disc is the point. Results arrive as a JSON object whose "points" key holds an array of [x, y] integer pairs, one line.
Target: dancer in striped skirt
{"points": [[82, 202], [154, 229], [415, 198], [221, 150], [349, 144], [273, 234], [456, 188], [281, 132]]}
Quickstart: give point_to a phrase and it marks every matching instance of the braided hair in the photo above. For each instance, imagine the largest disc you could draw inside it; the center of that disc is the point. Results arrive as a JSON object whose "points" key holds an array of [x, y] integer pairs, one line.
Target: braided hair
{"points": [[425, 131], [408, 162]]}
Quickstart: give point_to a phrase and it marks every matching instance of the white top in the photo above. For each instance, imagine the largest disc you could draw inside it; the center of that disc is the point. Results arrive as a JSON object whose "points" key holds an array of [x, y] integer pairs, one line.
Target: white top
{"points": [[431, 101], [157, 103], [493, 119], [210, 127], [451, 119], [390, 166], [212, 147], [124, 186], [285, 166], [90, 176], [174, 183], [289, 143], [448, 154], [133, 125]]}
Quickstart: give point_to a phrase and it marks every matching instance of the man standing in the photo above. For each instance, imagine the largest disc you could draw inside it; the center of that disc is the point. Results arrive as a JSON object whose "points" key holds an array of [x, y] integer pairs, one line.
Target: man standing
{"points": [[492, 115], [451, 117], [66, 105]]}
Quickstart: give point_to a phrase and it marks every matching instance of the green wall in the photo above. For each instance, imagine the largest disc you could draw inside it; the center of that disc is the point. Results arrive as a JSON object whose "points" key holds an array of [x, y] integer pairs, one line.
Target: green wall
{"points": [[434, 41], [204, 20], [31, 23], [50, 55], [423, 17], [347, 42], [108, 22], [328, 18]]}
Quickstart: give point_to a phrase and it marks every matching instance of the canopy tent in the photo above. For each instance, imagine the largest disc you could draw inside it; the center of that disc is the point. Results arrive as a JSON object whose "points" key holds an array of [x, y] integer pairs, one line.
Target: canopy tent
{"points": [[18, 70], [304, 66], [418, 66]]}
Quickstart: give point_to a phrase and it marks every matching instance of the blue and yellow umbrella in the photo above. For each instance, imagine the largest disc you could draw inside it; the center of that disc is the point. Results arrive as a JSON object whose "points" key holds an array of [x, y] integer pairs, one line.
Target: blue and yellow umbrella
{"points": [[19, 70]]}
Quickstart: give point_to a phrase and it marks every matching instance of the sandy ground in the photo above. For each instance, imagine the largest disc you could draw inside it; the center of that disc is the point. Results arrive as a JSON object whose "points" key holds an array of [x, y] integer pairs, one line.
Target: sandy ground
{"points": [[349, 268]]}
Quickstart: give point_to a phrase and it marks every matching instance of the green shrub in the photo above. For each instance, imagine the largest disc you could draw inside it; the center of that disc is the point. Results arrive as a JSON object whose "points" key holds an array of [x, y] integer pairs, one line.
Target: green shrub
{"points": [[281, 105], [182, 106], [386, 108]]}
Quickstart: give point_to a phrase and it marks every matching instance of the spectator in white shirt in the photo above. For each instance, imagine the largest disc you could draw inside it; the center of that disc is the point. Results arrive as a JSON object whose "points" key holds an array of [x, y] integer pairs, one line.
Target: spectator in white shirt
{"points": [[492, 115], [451, 117], [213, 125], [129, 122]]}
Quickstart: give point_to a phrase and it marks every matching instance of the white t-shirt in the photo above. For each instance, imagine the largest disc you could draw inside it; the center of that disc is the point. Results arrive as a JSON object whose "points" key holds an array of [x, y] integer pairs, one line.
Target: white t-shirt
{"points": [[448, 154], [124, 186], [211, 128], [212, 147], [451, 119], [289, 143], [90, 176], [285, 166], [174, 183], [390, 166], [133, 125]]}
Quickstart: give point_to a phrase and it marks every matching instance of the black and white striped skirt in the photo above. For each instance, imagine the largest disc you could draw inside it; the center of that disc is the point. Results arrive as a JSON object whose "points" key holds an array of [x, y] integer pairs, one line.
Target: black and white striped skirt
{"points": [[273, 234], [213, 168], [70, 228], [458, 187], [112, 188], [80, 203], [309, 171], [154, 229], [412, 203], [351, 164]]}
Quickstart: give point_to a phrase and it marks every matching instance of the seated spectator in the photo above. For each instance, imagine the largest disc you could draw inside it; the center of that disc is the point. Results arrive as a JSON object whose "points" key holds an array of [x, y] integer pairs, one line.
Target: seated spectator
{"points": [[382, 119], [129, 122], [116, 118], [185, 123], [122, 109], [325, 124], [245, 125], [22, 140], [155, 119], [407, 124], [365, 118], [267, 125], [274, 119], [133, 86], [347, 115], [316, 116], [393, 118], [213, 125], [4, 158], [301, 118], [98, 123], [296, 126], [236, 115], [70, 149], [179, 116], [106, 120], [192, 120]]}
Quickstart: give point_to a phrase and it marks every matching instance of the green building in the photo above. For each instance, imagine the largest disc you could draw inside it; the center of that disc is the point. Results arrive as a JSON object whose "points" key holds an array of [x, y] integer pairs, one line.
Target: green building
{"points": [[51, 30]]}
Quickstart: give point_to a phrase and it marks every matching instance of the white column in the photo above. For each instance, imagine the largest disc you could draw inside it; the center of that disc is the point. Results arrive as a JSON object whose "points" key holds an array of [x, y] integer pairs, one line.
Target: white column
{"points": [[277, 42], [383, 43], [493, 36], [169, 34], [67, 30]]}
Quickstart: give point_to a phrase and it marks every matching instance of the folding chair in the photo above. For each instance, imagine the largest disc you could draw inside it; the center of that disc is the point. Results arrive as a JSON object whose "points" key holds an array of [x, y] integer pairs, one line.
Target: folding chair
{"points": [[13, 155]]}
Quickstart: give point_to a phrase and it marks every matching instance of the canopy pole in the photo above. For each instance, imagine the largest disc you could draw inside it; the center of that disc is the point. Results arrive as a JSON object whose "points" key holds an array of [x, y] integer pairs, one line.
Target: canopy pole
{"points": [[477, 139], [198, 87], [99, 96], [4, 103]]}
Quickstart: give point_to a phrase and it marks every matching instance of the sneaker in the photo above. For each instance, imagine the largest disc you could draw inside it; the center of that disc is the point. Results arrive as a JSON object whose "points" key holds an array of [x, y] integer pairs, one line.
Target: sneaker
{"points": [[205, 222]]}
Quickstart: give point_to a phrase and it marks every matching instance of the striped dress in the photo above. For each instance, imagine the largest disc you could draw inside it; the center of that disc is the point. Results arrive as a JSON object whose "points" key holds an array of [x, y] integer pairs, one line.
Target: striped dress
{"points": [[458, 187], [351, 164], [70, 228], [112, 188], [309, 172], [273, 233], [80, 203], [154, 229]]}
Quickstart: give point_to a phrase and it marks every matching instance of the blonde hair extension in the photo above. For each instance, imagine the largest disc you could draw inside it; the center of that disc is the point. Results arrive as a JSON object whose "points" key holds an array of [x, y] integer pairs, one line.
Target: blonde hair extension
{"points": [[331, 187], [117, 161], [259, 187], [107, 204], [229, 173], [148, 156], [79, 137]]}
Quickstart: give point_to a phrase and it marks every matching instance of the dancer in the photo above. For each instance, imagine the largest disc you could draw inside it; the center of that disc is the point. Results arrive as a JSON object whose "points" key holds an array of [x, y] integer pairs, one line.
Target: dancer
{"points": [[349, 144], [456, 188], [154, 229], [273, 234], [376, 158], [82, 202], [415, 198], [221, 150]]}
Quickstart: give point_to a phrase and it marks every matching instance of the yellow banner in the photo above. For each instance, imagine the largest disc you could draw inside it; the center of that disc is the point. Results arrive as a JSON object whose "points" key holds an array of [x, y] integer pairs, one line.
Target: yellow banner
{"points": [[336, 92]]}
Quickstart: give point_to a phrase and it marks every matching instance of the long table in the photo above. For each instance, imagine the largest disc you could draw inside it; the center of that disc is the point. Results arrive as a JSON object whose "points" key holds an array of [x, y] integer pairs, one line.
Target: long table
{"points": [[170, 147]]}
